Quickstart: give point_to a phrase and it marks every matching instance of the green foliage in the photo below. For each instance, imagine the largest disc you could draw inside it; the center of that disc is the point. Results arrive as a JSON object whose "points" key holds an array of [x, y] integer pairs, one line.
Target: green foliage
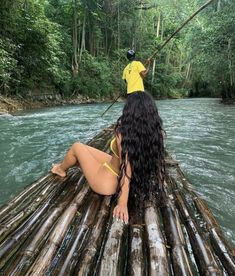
{"points": [[79, 47], [8, 66], [94, 78], [213, 53]]}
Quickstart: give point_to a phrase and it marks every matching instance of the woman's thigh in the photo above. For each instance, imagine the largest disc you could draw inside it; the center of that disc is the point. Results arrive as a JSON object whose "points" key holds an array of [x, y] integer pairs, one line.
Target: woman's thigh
{"points": [[91, 163], [99, 155]]}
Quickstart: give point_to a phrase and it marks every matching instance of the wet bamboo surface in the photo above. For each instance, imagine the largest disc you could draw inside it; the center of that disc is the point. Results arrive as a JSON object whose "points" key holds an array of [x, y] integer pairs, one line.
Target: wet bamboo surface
{"points": [[60, 227]]}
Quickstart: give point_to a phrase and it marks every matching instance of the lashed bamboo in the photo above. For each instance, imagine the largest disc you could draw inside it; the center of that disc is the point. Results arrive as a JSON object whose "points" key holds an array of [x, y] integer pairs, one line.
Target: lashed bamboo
{"points": [[204, 257], [27, 192], [113, 261], [12, 223], [93, 246], [80, 235], [34, 245], [157, 245], [179, 256], [15, 219], [90, 254], [47, 184], [224, 251], [15, 240], [136, 264], [46, 255], [27, 200]]}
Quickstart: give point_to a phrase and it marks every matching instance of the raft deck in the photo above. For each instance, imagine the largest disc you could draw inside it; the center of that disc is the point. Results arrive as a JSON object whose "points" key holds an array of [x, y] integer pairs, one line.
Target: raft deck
{"points": [[60, 227]]}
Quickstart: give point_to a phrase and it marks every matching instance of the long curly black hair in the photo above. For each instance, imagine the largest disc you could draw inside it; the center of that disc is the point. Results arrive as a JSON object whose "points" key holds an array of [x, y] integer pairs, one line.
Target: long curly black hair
{"points": [[142, 143]]}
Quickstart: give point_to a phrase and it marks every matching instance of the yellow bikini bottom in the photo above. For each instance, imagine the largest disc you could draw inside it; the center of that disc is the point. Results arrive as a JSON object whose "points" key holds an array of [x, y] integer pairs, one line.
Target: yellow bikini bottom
{"points": [[106, 165]]}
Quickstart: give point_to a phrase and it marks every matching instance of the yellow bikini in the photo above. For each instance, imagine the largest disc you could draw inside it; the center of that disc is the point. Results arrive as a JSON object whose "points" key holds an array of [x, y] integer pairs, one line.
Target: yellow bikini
{"points": [[114, 149], [106, 165]]}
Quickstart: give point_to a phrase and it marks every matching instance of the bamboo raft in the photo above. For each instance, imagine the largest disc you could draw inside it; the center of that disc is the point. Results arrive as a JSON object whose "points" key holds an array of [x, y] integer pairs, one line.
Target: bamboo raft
{"points": [[60, 227]]}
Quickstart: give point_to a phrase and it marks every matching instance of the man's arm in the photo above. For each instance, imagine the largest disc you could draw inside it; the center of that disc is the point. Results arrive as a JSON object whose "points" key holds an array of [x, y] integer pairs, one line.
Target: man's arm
{"points": [[144, 73]]}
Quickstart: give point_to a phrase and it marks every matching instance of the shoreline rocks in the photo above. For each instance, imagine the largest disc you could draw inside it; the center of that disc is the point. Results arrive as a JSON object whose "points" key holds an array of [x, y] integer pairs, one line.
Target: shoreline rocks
{"points": [[10, 105]]}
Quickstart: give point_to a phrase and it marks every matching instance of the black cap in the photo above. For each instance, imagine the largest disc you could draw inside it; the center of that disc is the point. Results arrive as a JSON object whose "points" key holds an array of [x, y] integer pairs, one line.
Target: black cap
{"points": [[130, 54]]}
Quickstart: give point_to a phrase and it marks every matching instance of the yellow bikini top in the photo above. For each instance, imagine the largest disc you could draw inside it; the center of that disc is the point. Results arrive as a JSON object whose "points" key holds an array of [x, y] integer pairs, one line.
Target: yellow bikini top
{"points": [[113, 147]]}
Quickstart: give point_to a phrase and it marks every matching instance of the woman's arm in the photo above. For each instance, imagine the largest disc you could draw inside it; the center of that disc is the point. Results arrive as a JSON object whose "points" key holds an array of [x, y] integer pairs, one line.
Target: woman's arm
{"points": [[121, 211]]}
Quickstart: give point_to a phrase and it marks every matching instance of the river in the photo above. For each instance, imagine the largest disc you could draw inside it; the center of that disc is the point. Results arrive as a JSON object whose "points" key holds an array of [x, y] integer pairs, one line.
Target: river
{"points": [[200, 134]]}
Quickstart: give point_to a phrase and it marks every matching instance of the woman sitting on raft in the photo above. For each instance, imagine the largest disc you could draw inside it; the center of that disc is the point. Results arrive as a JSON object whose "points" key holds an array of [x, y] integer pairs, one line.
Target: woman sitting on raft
{"points": [[137, 159]]}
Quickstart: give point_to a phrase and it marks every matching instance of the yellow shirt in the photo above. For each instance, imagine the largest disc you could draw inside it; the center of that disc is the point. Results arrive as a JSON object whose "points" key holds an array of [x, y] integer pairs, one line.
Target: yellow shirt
{"points": [[131, 74]]}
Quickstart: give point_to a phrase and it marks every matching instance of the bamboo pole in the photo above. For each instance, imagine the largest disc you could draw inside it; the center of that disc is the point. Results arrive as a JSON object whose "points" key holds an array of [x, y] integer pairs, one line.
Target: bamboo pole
{"points": [[45, 257], [11, 245], [34, 197], [179, 257], [10, 225], [157, 250], [204, 257], [15, 218], [136, 264], [224, 251], [112, 261], [34, 244], [79, 236], [181, 27], [5, 209], [91, 251]]}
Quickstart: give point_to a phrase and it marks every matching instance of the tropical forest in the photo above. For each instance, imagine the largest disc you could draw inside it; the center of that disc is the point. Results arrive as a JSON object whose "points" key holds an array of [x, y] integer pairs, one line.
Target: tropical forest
{"points": [[78, 47]]}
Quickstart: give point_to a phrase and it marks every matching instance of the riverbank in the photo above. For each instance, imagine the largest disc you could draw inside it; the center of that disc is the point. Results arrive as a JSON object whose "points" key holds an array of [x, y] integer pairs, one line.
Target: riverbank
{"points": [[10, 105]]}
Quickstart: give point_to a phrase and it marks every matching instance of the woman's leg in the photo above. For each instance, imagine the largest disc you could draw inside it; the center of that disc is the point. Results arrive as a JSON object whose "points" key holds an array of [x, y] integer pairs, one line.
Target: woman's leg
{"points": [[91, 162], [99, 155], [71, 160]]}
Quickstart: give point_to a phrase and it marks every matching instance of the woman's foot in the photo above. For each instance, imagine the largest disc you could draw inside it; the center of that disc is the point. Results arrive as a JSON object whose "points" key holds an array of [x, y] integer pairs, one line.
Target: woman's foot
{"points": [[56, 169]]}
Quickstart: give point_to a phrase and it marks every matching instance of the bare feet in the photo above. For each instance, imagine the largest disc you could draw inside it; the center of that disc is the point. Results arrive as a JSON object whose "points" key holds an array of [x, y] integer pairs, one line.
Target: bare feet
{"points": [[56, 169]]}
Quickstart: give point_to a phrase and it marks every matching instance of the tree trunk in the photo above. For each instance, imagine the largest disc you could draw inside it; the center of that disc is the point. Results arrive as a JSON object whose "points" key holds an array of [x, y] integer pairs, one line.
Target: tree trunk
{"points": [[83, 44], [218, 5], [231, 77], [75, 42], [158, 33], [162, 31], [158, 24]]}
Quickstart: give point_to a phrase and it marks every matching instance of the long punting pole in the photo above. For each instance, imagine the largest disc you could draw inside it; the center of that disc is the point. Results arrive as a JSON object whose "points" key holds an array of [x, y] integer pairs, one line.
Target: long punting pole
{"points": [[181, 27]]}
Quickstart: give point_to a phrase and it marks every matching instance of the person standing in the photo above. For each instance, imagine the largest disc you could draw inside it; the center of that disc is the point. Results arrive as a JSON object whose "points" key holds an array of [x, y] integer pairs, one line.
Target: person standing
{"points": [[134, 73]]}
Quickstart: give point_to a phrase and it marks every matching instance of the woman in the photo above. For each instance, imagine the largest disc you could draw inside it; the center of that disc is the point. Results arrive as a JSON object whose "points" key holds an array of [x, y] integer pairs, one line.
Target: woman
{"points": [[135, 170]]}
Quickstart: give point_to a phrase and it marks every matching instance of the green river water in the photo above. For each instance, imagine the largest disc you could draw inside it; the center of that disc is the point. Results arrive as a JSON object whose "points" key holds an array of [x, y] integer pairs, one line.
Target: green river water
{"points": [[200, 134]]}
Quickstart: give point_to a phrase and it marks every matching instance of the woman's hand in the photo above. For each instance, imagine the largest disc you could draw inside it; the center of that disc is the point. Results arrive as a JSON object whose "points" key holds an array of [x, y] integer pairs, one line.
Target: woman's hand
{"points": [[121, 212]]}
